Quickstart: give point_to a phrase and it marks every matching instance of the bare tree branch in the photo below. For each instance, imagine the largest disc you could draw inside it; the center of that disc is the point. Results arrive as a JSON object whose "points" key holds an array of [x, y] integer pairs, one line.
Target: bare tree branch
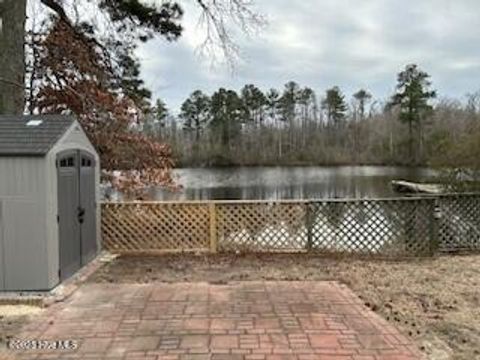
{"points": [[218, 18]]}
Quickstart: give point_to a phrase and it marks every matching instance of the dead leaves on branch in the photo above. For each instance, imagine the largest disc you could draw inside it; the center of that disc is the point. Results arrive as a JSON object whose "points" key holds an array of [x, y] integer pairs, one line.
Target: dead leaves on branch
{"points": [[69, 50], [77, 77]]}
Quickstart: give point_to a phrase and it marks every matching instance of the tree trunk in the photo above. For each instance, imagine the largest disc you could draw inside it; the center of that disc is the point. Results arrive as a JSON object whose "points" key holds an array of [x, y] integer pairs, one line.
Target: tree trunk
{"points": [[12, 56], [391, 142], [410, 143], [420, 143]]}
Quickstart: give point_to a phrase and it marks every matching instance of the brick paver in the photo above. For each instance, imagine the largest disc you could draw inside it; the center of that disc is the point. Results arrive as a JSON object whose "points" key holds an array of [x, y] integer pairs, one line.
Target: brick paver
{"points": [[197, 321]]}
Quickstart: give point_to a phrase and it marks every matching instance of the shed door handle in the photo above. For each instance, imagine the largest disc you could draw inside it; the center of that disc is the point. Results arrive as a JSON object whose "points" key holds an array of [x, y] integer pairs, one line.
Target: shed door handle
{"points": [[81, 214]]}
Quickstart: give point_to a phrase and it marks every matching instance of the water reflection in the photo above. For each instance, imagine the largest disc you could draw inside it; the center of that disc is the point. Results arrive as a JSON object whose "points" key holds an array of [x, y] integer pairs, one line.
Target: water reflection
{"points": [[272, 183]]}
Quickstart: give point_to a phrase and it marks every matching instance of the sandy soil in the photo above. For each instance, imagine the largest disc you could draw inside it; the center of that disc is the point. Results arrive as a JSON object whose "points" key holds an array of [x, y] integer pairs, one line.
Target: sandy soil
{"points": [[434, 301], [12, 318], [9, 326]]}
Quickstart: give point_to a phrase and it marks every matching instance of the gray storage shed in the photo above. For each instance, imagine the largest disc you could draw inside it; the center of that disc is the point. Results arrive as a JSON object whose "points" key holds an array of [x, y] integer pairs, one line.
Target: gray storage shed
{"points": [[49, 217]]}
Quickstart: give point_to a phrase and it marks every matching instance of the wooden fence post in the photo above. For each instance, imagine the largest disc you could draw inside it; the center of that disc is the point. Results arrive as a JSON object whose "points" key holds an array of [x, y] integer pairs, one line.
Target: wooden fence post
{"points": [[434, 226], [213, 228], [309, 226]]}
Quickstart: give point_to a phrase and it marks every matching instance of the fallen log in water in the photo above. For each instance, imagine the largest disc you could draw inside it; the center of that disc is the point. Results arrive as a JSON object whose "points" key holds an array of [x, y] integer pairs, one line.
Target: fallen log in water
{"points": [[402, 186]]}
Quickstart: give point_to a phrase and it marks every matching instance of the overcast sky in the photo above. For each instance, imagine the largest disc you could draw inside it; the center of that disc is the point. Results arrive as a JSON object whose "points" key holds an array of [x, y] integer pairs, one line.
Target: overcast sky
{"points": [[321, 43]]}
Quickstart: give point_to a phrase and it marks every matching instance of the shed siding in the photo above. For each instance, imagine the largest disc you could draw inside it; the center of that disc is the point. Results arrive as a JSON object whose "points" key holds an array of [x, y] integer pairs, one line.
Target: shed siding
{"points": [[24, 255], [23, 177], [2, 251], [23, 180], [75, 137]]}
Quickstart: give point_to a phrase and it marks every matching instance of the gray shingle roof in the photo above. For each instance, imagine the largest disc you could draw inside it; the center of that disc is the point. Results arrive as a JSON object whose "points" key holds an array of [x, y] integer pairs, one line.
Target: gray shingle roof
{"points": [[18, 139]]}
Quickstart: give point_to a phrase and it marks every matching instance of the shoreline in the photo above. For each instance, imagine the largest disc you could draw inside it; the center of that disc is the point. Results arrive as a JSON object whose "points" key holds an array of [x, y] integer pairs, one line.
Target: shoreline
{"points": [[299, 165]]}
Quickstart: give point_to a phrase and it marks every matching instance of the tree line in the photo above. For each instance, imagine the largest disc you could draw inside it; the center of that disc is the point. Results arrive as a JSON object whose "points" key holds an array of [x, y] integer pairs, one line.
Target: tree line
{"points": [[296, 126]]}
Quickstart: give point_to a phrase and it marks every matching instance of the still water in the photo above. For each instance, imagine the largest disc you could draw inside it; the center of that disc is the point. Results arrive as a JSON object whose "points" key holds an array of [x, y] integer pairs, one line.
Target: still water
{"points": [[273, 183]]}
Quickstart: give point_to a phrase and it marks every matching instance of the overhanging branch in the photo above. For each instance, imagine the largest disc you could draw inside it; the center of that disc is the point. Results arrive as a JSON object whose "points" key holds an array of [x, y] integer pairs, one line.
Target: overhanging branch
{"points": [[52, 4]]}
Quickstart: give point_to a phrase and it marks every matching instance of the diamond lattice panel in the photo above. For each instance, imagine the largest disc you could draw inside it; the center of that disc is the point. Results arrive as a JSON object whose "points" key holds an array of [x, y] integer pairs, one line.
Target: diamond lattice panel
{"points": [[261, 226], [144, 227]]}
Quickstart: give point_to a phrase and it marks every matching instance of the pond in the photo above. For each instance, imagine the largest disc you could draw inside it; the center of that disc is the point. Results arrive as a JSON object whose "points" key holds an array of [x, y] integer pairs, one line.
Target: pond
{"points": [[274, 183]]}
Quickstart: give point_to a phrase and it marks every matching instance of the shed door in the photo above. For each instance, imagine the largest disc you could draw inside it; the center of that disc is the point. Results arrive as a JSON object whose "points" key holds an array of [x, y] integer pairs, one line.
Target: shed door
{"points": [[88, 225], [76, 210], [68, 224]]}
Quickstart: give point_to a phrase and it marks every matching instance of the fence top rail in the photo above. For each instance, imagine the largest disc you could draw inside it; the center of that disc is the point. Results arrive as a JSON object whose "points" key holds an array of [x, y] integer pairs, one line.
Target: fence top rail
{"points": [[292, 201]]}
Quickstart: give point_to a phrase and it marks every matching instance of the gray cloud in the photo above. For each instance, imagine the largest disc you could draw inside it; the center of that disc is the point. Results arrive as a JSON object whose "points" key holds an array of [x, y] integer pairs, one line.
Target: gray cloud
{"points": [[320, 43]]}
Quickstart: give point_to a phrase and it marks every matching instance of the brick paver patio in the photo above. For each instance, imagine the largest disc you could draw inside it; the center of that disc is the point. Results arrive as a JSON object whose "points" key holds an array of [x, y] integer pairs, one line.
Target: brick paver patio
{"points": [[196, 321]]}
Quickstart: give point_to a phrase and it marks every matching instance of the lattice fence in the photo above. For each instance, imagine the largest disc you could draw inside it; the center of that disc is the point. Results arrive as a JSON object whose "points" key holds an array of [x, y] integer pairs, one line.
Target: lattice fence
{"points": [[384, 227], [458, 222], [261, 226], [152, 227], [392, 227]]}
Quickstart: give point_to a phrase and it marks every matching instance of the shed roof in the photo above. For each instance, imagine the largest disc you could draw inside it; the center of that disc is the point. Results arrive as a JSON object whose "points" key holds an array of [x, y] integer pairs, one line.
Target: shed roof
{"points": [[32, 135]]}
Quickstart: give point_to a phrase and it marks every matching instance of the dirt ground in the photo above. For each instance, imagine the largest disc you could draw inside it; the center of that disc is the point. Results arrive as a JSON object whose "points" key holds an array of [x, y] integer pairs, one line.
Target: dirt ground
{"points": [[12, 318], [9, 326], [434, 301]]}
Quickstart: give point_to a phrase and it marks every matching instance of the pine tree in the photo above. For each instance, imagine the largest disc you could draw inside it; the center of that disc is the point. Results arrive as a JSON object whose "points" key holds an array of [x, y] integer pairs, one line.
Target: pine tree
{"points": [[226, 111], [362, 97], [412, 97], [195, 113], [288, 102], [272, 98], [254, 102], [335, 107]]}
